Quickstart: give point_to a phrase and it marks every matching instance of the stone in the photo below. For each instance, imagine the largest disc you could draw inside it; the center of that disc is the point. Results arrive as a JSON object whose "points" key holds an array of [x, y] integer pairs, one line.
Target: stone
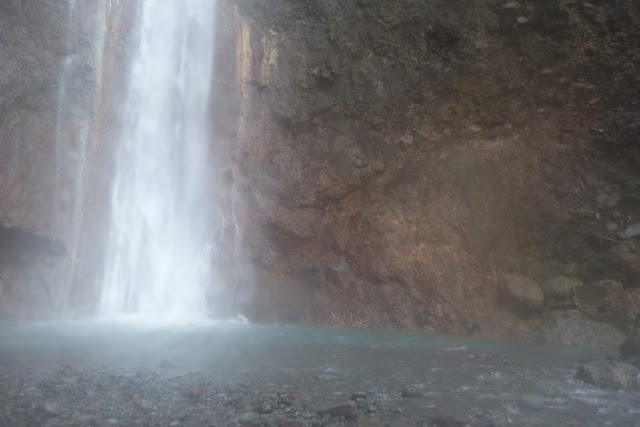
{"points": [[601, 295], [627, 309], [143, 404], [632, 230], [266, 408], [572, 327], [560, 288], [413, 391], [446, 420], [250, 419], [608, 200], [609, 374], [346, 409], [621, 262], [195, 393], [359, 395], [54, 409], [523, 294], [630, 348]]}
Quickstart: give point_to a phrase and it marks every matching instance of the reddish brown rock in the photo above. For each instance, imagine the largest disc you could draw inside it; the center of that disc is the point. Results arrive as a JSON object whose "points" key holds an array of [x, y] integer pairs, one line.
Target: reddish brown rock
{"points": [[420, 153]]}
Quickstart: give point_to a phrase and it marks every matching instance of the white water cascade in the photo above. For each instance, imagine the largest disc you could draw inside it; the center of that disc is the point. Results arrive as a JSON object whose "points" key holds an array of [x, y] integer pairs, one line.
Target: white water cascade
{"points": [[158, 256]]}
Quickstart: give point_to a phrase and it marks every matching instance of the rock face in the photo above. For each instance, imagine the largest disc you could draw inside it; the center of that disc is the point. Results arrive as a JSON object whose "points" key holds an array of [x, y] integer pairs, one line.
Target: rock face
{"points": [[48, 92], [387, 162], [395, 158]]}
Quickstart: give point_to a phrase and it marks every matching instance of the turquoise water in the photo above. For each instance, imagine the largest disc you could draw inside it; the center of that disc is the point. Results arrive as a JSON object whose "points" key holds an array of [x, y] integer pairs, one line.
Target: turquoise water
{"points": [[530, 385]]}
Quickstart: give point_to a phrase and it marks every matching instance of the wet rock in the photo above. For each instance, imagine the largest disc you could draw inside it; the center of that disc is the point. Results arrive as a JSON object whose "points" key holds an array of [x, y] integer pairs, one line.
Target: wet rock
{"points": [[626, 312], [609, 374], [346, 409], [54, 409], [523, 294], [560, 288], [250, 419], [599, 296], [572, 328], [265, 408], [143, 404], [632, 230], [359, 395], [621, 263], [608, 200], [630, 348], [413, 391], [195, 393]]}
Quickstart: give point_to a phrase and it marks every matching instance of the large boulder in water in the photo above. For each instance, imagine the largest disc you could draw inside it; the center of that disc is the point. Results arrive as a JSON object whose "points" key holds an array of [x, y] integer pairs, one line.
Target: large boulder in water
{"points": [[609, 374], [573, 328]]}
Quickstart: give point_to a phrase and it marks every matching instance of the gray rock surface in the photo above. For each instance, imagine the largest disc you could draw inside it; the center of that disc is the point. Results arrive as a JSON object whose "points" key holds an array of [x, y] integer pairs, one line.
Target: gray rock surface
{"points": [[630, 348], [573, 328], [560, 288], [609, 374]]}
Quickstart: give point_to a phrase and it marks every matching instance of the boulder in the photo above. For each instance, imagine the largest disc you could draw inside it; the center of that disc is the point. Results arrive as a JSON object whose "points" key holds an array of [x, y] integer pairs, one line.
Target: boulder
{"points": [[621, 262], [630, 348], [627, 309], [572, 328], [560, 288], [522, 294], [600, 296], [609, 374], [413, 391], [632, 230]]}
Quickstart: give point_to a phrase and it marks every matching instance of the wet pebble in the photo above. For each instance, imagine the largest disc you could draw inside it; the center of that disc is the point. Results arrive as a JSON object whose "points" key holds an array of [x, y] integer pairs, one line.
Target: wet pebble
{"points": [[346, 409], [413, 391], [250, 419], [359, 395]]}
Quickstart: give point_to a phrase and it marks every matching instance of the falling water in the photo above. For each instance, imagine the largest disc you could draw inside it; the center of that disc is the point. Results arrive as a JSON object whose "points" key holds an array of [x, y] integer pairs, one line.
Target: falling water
{"points": [[158, 255], [72, 135]]}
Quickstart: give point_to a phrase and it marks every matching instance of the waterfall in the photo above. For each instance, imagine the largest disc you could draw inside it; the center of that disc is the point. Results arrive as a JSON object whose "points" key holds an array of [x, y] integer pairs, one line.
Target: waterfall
{"points": [[75, 106], [157, 263]]}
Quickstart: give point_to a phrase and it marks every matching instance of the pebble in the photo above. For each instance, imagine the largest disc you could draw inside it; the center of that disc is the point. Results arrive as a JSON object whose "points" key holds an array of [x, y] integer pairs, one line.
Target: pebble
{"points": [[413, 391], [359, 395], [249, 419], [346, 409]]}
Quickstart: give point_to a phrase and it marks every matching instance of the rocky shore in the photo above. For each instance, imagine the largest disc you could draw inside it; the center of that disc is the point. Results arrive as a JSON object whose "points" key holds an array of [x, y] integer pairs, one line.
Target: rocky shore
{"points": [[150, 397], [290, 377]]}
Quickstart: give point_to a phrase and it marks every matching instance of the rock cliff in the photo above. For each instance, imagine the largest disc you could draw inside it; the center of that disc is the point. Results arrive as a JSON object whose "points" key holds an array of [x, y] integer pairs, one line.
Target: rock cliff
{"points": [[388, 164], [398, 158]]}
